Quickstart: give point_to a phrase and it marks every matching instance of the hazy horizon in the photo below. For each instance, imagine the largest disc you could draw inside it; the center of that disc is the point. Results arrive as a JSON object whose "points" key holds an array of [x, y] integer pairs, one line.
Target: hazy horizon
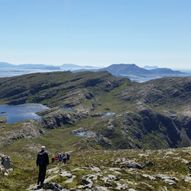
{"points": [[96, 33], [145, 66]]}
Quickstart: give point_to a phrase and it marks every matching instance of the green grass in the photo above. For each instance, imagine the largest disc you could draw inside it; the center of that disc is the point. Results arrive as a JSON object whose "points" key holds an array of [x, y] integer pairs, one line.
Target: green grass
{"points": [[23, 155]]}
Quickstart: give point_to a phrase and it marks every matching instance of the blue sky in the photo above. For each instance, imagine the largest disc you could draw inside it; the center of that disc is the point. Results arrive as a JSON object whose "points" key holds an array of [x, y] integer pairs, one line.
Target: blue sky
{"points": [[96, 32]]}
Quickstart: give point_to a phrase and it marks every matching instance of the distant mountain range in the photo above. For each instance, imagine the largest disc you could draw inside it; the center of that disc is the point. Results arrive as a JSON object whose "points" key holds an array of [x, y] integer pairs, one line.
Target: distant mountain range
{"points": [[64, 67], [74, 67], [131, 71], [28, 66]]}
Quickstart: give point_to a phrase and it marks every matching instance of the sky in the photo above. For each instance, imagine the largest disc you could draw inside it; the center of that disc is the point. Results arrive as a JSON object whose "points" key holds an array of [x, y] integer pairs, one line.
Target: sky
{"points": [[96, 32]]}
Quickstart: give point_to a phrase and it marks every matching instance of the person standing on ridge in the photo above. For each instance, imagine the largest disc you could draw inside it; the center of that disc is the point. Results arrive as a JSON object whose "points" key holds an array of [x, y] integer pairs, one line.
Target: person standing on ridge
{"points": [[42, 162]]}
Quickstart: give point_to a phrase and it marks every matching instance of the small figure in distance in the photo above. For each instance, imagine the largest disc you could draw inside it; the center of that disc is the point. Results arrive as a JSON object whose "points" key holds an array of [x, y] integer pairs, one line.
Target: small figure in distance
{"points": [[66, 157], [61, 157], [42, 162]]}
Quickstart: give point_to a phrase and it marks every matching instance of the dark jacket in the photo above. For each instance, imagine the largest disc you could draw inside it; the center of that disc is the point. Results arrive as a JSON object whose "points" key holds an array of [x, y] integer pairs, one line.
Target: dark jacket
{"points": [[42, 159]]}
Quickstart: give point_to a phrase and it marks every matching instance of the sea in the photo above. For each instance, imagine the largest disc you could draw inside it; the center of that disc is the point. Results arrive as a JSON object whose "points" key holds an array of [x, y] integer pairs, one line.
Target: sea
{"points": [[7, 72]]}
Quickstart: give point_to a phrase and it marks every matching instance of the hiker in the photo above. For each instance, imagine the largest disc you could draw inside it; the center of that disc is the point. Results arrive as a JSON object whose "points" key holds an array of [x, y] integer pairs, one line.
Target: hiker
{"points": [[42, 162], [61, 157], [66, 157]]}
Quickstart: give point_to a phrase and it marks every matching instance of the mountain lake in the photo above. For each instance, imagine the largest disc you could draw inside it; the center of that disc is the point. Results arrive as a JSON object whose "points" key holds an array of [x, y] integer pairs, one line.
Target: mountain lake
{"points": [[22, 112]]}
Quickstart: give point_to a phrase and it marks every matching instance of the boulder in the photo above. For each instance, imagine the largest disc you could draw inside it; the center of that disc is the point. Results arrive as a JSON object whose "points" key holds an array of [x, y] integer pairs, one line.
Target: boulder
{"points": [[123, 163]]}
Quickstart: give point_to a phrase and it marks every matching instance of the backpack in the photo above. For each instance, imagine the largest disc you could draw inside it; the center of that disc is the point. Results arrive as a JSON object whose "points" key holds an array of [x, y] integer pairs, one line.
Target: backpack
{"points": [[42, 158]]}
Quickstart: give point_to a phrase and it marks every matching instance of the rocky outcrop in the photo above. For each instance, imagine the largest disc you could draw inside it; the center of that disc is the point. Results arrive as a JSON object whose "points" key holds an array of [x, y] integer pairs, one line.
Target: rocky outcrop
{"points": [[20, 131], [81, 132], [60, 117]]}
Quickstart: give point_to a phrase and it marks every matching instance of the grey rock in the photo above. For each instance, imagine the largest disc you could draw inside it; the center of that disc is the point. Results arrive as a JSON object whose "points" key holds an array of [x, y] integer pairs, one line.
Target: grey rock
{"points": [[95, 169], [121, 186], [100, 188], [167, 179], [60, 117], [87, 182], [131, 189], [129, 164], [81, 132], [187, 179], [66, 174], [54, 187]]}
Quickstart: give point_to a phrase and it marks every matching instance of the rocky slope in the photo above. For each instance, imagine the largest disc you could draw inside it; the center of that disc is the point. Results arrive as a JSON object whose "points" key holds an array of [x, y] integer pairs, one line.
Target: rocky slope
{"points": [[166, 91], [139, 129], [122, 170]]}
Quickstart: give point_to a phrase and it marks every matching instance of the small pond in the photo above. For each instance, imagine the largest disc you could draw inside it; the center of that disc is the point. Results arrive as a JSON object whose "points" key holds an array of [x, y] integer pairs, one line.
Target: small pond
{"points": [[22, 112]]}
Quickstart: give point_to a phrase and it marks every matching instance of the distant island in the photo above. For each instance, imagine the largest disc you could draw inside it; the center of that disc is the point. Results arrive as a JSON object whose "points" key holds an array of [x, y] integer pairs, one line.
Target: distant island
{"points": [[136, 73]]}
